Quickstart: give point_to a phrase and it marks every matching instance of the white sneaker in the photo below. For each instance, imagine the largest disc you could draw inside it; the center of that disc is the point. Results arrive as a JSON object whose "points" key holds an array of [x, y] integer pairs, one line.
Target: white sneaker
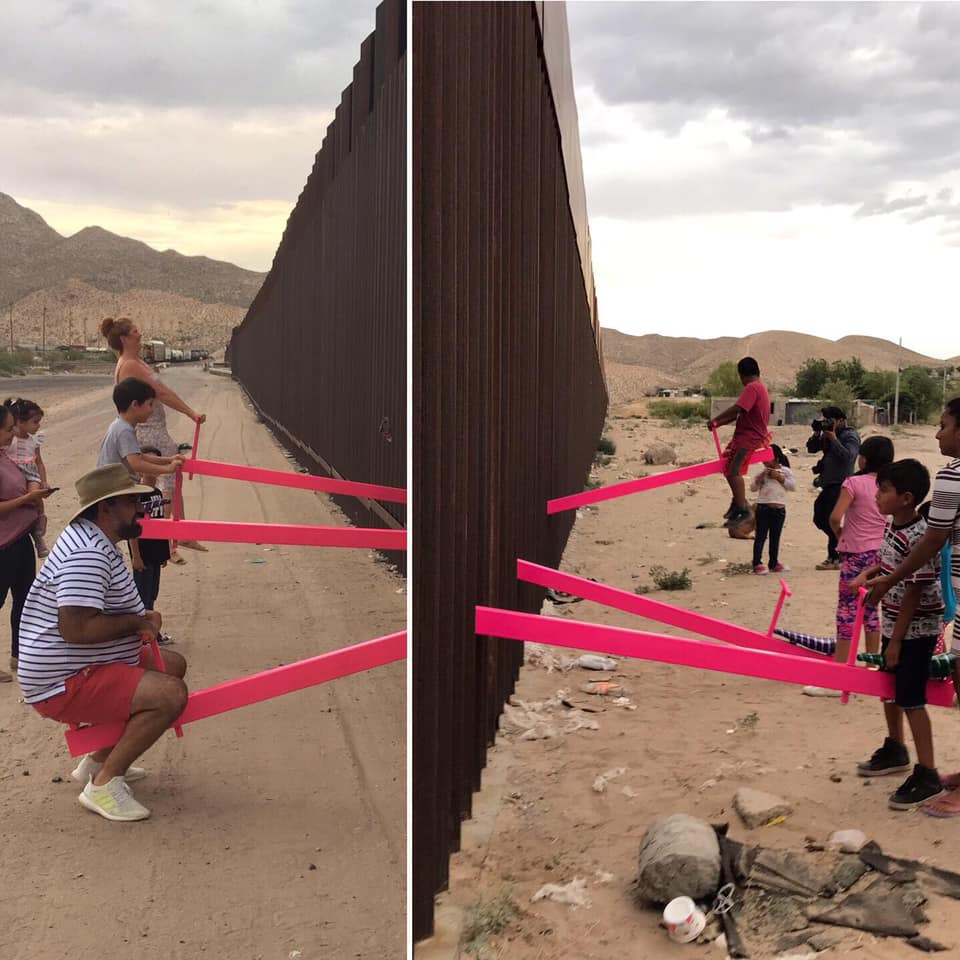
{"points": [[821, 692], [113, 800], [88, 768]]}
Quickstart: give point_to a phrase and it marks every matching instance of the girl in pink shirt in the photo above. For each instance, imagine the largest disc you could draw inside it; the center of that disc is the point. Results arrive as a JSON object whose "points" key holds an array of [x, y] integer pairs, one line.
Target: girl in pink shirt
{"points": [[858, 525]]}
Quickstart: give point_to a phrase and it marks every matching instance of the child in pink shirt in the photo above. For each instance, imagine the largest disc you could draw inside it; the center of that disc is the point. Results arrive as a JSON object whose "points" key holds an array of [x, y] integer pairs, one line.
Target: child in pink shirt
{"points": [[859, 525]]}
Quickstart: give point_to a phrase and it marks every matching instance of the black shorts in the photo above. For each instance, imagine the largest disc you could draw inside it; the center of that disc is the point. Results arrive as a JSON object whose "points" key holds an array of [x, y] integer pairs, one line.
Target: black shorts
{"points": [[913, 671]]}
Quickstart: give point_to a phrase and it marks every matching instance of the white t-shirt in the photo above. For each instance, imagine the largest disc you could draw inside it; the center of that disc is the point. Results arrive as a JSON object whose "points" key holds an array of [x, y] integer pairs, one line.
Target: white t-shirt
{"points": [[84, 569]]}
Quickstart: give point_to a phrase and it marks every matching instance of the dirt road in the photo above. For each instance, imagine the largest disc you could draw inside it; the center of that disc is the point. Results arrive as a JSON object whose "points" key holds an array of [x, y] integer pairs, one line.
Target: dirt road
{"points": [[687, 739], [274, 829]]}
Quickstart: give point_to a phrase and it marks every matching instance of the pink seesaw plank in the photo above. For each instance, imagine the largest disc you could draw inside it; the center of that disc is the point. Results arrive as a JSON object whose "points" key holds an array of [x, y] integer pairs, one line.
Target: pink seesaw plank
{"points": [[657, 610], [260, 686], [695, 472], [297, 535], [301, 481], [701, 654]]}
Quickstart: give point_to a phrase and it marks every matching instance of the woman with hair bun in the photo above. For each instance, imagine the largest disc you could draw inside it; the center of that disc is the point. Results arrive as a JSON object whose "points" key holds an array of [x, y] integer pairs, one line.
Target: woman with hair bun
{"points": [[125, 340]]}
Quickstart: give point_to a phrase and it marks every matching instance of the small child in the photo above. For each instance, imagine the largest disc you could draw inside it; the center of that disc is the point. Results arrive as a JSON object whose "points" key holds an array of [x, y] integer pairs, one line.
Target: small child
{"points": [[24, 451], [772, 482], [858, 526], [751, 413], [134, 402], [150, 556], [912, 611]]}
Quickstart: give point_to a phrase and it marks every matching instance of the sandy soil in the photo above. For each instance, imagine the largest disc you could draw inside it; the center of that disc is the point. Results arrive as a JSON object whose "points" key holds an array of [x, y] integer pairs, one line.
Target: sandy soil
{"points": [[692, 739], [277, 830]]}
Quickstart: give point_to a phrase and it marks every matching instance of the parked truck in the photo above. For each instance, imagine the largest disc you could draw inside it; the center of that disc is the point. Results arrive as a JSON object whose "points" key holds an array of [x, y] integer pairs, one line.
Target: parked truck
{"points": [[154, 351]]}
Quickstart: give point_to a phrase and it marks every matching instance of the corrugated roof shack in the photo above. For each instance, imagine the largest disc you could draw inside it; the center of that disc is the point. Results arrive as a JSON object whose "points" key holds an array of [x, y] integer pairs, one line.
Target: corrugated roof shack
{"points": [[322, 349], [508, 389]]}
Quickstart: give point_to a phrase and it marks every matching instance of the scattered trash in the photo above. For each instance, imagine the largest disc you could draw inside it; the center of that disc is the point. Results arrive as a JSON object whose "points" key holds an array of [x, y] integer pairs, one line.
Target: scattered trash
{"points": [[600, 783], [629, 792], [603, 877], [848, 841], [256, 560], [57, 780], [573, 893], [592, 661], [683, 919], [603, 688], [559, 596], [294, 954]]}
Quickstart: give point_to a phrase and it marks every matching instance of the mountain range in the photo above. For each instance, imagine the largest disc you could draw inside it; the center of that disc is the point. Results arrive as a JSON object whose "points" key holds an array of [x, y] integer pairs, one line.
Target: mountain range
{"points": [[636, 366], [94, 273]]}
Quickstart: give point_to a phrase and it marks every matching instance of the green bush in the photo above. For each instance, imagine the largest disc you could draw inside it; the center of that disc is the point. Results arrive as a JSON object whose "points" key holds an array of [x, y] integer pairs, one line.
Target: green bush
{"points": [[665, 579], [12, 363], [607, 446], [680, 409]]}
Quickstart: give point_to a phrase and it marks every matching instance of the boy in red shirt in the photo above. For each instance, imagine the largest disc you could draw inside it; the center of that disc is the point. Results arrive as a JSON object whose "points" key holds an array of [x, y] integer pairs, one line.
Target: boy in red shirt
{"points": [[752, 415]]}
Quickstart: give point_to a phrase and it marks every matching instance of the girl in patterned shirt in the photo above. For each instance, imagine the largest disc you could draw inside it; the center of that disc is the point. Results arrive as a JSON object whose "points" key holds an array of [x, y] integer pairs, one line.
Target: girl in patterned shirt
{"points": [[24, 451]]}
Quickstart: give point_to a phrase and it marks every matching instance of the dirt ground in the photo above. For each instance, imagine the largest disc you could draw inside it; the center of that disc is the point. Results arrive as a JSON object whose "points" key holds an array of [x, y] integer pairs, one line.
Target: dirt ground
{"points": [[277, 831], [687, 740]]}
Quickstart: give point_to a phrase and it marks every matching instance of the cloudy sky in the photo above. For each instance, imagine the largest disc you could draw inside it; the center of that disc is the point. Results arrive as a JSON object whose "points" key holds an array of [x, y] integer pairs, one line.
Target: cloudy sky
{"points": [[765, 166], [192, 126]]}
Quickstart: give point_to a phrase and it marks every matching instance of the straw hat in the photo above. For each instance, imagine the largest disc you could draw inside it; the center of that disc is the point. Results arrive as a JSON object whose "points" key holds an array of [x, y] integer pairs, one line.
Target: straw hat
{"points": [[113, 480]]}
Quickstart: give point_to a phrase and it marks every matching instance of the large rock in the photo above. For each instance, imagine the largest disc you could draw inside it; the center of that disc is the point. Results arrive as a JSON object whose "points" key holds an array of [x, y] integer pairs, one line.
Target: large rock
{"points": [[659, 453], [757, 808], [679, 857]]}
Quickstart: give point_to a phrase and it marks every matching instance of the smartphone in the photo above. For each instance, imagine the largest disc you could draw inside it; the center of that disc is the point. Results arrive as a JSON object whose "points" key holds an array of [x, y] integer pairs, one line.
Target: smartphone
{"points": [[53, 489]]}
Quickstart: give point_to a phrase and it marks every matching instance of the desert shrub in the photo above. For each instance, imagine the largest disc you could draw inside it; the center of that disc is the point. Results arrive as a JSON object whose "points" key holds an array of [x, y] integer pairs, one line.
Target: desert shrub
{"points": [[665, 579], [607, 446], [484, 920], [17, 361], [680, 409]]}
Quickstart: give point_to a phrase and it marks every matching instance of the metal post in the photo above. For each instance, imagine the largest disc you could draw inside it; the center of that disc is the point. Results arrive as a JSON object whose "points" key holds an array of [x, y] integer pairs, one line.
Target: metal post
{"points": [[896, 395]]}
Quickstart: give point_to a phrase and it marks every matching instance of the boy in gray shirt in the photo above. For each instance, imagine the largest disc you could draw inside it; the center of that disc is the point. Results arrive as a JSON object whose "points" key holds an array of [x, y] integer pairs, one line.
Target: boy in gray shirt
{"points": [[134, 400]]}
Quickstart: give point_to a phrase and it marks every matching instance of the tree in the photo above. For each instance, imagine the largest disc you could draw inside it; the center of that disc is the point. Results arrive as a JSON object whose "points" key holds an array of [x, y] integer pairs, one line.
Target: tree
{"points": [[811, 377], [837, 393], [919, 393], [724, 381], [879, 386], [850, 372]]}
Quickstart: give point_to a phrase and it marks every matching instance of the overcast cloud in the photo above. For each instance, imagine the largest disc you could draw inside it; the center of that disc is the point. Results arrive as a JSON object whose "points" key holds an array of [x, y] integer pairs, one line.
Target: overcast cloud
{"points": [[787, 134], [172, 122]]}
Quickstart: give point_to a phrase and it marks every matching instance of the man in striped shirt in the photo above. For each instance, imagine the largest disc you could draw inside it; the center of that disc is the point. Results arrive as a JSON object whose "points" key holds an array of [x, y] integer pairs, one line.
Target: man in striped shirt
{"points": [[82, 653]]}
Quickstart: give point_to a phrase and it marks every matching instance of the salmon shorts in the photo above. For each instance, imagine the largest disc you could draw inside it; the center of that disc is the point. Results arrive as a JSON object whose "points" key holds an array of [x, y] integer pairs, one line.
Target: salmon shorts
{"points": [[102, 693], [736, 461]]}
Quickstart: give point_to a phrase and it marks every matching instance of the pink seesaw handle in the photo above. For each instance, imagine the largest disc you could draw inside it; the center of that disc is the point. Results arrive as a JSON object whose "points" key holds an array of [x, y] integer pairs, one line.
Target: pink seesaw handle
{"points": [[194, 448], [162, 668], [716, 438], [855, 637], [784, 593]]}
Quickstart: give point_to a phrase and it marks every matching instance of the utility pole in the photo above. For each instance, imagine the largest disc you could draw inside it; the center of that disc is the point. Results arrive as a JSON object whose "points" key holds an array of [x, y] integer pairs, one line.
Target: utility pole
{"points": [[11, 328], [44, 331], [944, 384], [896, 395]]}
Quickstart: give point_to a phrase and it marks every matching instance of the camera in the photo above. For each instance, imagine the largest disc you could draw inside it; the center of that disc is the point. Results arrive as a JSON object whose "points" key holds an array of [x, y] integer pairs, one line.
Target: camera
{"points": [[827, 423]]}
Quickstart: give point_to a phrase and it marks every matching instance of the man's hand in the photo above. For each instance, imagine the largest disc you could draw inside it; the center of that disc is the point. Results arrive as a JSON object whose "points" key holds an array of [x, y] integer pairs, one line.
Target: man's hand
{"points": [[891, 655], [154, 617], [138, 564], [200, 418], [711, 425], [829, 435]]}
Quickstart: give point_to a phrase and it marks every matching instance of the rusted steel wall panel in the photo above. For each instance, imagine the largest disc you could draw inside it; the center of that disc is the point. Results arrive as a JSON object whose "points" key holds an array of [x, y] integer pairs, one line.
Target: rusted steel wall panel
{"points": [[322, 349], [508, 390]]}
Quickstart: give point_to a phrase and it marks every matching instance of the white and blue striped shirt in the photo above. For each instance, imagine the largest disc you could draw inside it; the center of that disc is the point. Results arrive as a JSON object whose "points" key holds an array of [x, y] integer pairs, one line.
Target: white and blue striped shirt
{"points": [[84, 569]]}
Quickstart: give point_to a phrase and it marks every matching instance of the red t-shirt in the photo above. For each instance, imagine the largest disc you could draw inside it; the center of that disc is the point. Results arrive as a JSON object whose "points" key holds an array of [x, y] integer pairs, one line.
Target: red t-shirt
{"points": [[751, 430]]}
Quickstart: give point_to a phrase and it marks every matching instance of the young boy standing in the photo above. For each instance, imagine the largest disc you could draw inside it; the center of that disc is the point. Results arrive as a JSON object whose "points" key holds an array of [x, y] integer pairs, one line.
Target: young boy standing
{"points": [[752, 415], [134, 401], [911, 623]]}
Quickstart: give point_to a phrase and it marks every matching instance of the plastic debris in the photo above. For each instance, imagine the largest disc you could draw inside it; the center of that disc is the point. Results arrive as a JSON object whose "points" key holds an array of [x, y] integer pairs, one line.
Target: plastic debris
{"points": [[573, 893]]}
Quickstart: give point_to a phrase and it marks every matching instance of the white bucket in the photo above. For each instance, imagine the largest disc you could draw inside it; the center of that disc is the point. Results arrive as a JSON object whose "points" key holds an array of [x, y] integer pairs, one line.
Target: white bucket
{"points": [[683, 919]]}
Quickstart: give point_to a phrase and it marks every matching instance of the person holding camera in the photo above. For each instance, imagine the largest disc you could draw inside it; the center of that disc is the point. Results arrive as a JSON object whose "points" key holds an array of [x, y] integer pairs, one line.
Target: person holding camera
{"points": [[839, 446]]}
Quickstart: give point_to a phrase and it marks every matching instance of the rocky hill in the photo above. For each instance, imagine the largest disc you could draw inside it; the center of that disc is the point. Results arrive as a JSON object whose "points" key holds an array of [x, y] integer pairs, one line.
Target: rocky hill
{"points": [[95, 273], [638, 365]]}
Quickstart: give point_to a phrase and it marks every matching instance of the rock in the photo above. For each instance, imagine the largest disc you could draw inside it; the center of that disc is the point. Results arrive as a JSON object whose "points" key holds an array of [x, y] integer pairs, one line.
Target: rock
{"points": [[825, 940], [847, 841], [848, 873], [757, 807], [926, 945], [659, 453], [679, 857]]}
